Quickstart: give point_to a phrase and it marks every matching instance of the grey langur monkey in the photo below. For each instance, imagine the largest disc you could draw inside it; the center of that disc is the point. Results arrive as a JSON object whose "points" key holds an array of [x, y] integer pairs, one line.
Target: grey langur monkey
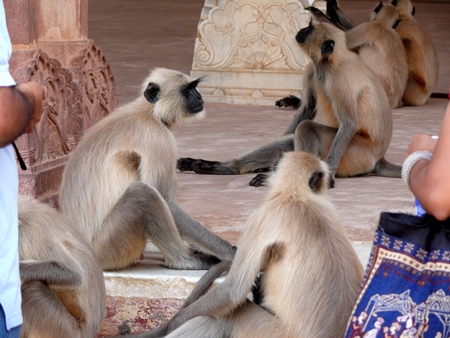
{"points": [[119, 183]]}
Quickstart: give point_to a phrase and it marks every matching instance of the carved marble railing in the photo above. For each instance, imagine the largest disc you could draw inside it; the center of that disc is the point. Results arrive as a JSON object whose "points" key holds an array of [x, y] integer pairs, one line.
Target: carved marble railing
{"points": [[49, 49], [247, 50]]}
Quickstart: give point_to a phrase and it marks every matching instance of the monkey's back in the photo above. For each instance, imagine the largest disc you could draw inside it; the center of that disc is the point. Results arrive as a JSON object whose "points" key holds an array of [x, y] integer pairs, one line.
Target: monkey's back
{"points": [[378, 53], [354, 85], [315, 283], [124, 147], [43, 234], [420, 52]]}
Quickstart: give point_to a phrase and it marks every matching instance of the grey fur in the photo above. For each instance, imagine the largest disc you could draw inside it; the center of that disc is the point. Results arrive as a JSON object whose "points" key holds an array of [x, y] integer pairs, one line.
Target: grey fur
{"points": [[311, 272], [63, 291], [344, 117], [119, 183]]}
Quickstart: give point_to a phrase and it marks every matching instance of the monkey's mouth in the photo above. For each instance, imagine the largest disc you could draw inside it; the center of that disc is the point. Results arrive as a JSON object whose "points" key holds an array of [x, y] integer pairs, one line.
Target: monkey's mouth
{"points": [[197, 109]]}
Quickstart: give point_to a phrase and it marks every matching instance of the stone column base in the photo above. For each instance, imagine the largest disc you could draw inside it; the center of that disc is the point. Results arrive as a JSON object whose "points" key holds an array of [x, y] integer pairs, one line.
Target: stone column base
{"points": [[246, 50], [80, 91]]}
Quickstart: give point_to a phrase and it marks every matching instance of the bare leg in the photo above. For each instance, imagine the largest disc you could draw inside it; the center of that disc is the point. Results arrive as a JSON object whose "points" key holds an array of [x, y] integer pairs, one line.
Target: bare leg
{"points": [[316, 139], [204, 327], [44, 315], [258, 160], [139, 214], [200, 236]]}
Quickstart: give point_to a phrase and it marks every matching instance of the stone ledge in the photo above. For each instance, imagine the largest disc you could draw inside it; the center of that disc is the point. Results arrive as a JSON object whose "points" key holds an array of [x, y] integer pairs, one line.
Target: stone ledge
{"points": [[148, 294]]}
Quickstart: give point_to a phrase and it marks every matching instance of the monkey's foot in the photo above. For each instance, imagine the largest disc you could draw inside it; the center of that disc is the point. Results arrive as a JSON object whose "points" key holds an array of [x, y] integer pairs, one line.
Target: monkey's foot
{"points": [[185, 163], [124, 328], [197, 261], [291, 101], [200, 166], [258, 180]]}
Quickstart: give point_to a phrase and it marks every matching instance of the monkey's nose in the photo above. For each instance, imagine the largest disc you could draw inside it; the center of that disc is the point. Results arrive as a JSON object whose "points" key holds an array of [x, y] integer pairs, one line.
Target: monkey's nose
{"points": [[303, 33]]}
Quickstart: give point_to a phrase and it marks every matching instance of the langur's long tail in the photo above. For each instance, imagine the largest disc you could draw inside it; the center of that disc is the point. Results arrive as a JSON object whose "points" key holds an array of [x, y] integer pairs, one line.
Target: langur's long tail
{"points": [[199, 290], [387, 169]]}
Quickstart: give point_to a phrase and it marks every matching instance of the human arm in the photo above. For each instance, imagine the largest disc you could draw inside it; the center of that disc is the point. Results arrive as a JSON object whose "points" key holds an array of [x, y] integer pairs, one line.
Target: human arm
{"points": [[430, 179], [20, 110]]}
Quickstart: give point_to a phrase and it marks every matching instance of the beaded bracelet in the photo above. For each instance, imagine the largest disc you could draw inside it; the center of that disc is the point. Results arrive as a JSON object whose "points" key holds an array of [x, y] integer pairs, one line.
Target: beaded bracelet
{"points": [[411, 160]]}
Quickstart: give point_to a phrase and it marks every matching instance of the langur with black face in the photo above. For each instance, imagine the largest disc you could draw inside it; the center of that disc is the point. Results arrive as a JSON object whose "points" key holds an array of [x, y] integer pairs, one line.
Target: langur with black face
{"points": [[380, 47], [422, 60], [311, 272], [119, 183], [344, 117], [63, 290], [421, 55]]}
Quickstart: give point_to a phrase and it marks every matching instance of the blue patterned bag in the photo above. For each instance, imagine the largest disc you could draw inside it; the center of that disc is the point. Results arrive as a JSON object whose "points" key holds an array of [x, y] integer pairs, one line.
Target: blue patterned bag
{"points": [[406, 288]]}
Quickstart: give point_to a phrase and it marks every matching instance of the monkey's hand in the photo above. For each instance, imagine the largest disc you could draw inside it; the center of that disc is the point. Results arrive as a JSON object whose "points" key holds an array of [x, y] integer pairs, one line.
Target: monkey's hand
{"points": [[257, 291], [331, 181], [290, 101], [258, 180]]}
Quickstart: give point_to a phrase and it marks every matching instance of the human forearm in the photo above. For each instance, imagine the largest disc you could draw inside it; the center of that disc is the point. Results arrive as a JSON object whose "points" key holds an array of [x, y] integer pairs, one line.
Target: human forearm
{"points": [[20, 110], [432, 193], [15, 114], [430, 179]]}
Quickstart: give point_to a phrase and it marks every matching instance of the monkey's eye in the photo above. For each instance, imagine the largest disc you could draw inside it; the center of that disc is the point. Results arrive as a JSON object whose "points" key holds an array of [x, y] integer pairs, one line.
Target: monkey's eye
{"points": [[327, 47]]}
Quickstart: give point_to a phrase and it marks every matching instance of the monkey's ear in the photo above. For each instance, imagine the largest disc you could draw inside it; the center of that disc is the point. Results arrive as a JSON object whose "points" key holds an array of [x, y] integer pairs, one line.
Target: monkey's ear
{"points": [[327, 47], [413, 12], [315, 180], [378, 8], [151, 92], [394, 26], [394, 3]]}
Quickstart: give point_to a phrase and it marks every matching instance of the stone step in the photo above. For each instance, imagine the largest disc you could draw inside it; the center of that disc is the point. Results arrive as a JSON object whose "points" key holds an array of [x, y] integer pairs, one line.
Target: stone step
{"points": [[148, 294]]}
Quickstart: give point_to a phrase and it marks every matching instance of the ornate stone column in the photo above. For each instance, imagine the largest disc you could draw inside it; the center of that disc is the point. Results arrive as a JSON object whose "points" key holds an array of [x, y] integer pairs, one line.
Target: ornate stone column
{"points": [[247, 50], [50, 45]]}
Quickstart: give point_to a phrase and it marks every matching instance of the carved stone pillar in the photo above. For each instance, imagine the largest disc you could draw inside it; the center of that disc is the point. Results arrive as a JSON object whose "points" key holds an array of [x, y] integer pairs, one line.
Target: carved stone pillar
{"points": [[50, 45], [247, 50]]}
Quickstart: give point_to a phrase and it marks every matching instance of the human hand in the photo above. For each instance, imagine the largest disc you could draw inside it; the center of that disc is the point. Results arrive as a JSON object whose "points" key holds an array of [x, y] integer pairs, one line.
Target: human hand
{"points": [[35, 92], [421, 142]]}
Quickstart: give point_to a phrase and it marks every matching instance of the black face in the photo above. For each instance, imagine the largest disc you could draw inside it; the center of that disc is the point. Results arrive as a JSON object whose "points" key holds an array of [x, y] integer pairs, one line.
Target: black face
{"points": [[151, 92], [303, 33], [394, 26], [194, 100]]}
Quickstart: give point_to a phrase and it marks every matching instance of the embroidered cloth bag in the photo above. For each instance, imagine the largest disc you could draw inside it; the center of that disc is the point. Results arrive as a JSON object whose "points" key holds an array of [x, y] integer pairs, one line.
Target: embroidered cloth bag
{"points": [[406, 288]]}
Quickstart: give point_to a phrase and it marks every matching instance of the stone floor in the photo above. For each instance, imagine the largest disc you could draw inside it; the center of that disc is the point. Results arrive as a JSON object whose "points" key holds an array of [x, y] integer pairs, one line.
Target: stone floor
{"points": [[138, 35]]}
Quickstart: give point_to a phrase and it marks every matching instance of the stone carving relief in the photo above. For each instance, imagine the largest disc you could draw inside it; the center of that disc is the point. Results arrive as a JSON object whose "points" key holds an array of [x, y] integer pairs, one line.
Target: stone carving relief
{"points": [[248, 51], [61, 122], [79, 94], [98, 86]]}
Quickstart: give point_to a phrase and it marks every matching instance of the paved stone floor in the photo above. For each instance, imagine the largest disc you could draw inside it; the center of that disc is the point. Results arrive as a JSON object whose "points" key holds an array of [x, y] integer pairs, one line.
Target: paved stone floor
{"points": [[137, 35]]}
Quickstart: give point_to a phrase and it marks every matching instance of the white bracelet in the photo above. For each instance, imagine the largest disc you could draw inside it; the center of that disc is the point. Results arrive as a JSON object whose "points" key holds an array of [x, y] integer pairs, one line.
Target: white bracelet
{"points": [[411, 160]]}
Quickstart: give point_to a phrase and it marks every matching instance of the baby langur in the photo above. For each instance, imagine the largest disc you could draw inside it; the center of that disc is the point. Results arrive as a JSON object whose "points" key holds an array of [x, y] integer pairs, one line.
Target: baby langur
{"points": [[119, 183], [63, 291], [311, 271], [380, 47], [344, 118], [421, 55]]}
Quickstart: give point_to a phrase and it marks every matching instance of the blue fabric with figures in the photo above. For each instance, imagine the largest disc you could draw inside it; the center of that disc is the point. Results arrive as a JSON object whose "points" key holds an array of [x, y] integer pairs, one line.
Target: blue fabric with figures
{"points": [[406, 288]]}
